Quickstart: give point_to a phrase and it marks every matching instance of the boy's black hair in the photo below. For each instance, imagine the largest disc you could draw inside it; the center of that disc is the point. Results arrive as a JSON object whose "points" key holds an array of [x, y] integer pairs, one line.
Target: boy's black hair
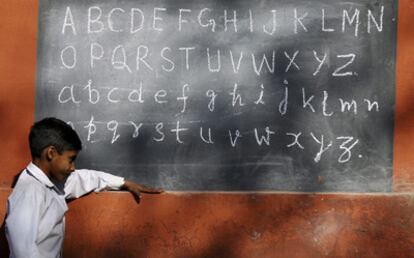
{"points": [[52, 132]]}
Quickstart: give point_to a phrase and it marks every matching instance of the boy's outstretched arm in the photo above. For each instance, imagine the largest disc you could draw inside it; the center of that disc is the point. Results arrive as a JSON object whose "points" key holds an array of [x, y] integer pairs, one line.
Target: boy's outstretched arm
{"points": [[83, 181], [136, 189]]}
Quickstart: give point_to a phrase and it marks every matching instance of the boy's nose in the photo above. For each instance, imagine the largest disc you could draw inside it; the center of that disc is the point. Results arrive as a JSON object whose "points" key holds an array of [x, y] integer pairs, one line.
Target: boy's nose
{"points": [[72, 168]]}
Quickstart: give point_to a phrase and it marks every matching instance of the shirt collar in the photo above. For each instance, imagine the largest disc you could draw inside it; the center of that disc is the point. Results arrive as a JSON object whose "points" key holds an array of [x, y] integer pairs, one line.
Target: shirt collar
{"points": [[39, 174]]}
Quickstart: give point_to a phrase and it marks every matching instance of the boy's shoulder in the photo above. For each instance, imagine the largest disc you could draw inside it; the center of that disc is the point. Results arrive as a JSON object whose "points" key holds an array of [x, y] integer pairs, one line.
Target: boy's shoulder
{"points": [[27, 185]]}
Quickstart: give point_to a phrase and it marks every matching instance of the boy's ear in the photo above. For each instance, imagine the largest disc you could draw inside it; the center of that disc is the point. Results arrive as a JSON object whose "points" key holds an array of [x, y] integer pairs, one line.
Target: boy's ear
{"points": [[50, 153]]}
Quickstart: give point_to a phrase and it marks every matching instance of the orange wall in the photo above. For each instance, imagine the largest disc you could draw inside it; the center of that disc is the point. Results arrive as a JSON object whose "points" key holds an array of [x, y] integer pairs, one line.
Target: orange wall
{"points": [[214, 224], [404, 122]]}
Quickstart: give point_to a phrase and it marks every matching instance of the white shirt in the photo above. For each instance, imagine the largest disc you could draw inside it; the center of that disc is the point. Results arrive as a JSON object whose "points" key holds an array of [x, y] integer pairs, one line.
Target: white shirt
{"points": [[35, 223]]}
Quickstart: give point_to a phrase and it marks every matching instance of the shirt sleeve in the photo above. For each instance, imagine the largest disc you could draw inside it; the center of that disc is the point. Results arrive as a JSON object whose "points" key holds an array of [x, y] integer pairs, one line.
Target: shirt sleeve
{"points": [[83, 181], [22, 223]]}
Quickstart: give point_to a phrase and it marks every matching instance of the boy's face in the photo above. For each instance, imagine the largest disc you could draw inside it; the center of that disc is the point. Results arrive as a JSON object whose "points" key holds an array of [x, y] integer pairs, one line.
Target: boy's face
{"points": [[62, 165]]}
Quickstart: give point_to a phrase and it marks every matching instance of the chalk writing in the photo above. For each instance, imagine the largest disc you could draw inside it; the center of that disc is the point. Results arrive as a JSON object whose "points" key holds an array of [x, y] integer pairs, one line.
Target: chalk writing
{"points": [[287, 91]]}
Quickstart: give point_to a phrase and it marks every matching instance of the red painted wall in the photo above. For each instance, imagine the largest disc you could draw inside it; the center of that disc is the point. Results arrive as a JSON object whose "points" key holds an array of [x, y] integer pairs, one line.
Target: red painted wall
{"points": [[214, 224], [404, 122]]}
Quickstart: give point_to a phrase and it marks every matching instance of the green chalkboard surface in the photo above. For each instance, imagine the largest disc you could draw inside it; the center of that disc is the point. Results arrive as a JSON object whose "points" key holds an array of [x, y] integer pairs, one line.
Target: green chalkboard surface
{"points": [[225, 95]]}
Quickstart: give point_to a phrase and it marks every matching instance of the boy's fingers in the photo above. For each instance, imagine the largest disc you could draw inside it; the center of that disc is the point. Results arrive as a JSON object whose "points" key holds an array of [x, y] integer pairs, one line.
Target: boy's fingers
{"points": [[134, 187], [153, 190]]}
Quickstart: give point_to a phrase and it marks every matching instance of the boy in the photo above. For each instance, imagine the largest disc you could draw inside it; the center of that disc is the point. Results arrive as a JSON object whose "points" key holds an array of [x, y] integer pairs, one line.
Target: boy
{"points": [[35, 223]]}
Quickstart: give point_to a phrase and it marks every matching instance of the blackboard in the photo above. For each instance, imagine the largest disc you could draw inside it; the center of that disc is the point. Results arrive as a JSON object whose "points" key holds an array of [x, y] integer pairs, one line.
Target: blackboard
{"points": [[225, 95]]}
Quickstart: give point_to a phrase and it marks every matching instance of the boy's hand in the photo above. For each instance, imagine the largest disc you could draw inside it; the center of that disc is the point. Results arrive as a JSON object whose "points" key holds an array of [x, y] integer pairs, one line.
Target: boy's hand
{"points": [[137, 189]]}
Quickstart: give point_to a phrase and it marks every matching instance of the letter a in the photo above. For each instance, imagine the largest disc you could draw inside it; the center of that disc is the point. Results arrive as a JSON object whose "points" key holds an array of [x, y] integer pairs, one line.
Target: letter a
{"points": [[68, 21]]}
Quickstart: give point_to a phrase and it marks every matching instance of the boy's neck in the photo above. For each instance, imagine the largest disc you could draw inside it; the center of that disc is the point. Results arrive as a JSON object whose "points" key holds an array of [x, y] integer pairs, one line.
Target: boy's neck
{"points": [[42, 165]]}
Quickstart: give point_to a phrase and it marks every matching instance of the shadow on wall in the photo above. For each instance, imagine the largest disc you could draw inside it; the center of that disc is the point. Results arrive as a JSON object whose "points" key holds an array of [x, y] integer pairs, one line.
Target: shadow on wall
{"points": [[191, 226], [4, 247], [241, 226]]}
